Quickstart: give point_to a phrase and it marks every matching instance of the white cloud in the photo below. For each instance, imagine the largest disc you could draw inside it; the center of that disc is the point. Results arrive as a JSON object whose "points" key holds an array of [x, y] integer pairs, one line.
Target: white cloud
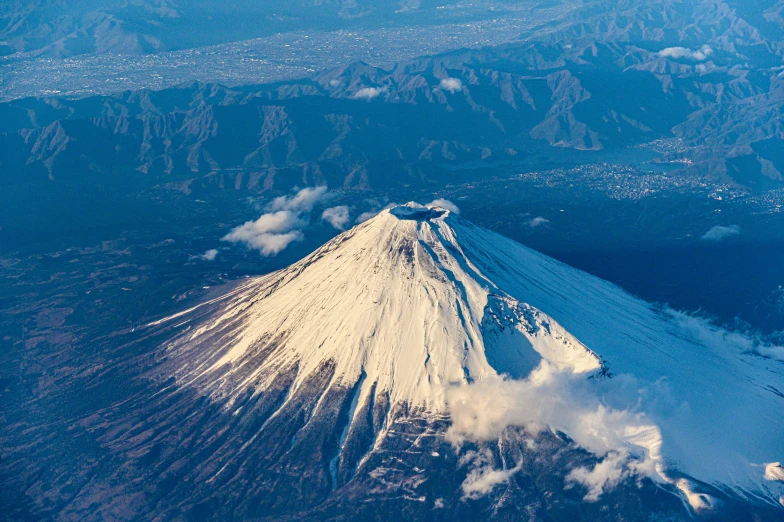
{"points": [[600, 415], [451, 84], [483, 477], [683, 52], [281, 225], [444, 203], [273, 222], [537, 222], [368, 93], [302, 201], [336, 216], [210, 255], [605, 475], [439, 503], [269, 234], [272, 244], [720, 232]]}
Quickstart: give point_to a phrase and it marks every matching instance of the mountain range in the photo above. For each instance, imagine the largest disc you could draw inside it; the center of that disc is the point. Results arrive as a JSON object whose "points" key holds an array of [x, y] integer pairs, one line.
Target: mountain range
{"points": [[364, 127]]}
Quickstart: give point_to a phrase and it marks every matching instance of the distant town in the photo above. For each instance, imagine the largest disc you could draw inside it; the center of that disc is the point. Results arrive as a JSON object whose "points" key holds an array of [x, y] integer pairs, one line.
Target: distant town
{"points": [[634, 182], [262, 60]]}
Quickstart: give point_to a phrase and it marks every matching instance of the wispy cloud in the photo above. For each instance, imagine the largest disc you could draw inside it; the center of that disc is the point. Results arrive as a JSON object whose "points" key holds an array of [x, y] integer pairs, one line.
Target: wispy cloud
{"points": [[336, 216], [721, 232], [210, 254], [682, 52], [303, 201], [445, 203], [537, 222], [710, 334], [483, 476], [281, 224], [604, 476]]}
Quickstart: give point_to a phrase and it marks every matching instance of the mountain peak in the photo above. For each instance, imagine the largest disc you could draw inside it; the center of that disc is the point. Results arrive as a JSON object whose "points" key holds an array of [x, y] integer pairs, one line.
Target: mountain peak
{"points": [[417, 212], [388, 319], [394, 303]]}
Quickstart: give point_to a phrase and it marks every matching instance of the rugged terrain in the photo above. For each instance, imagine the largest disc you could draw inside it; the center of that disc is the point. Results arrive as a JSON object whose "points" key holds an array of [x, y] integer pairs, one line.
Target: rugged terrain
{"points": [[361, 126]]}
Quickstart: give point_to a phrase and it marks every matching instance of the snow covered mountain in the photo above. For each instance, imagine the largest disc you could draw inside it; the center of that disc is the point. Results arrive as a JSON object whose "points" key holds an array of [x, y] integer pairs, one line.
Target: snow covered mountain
{"points": [[420, 363], [390, 303]]}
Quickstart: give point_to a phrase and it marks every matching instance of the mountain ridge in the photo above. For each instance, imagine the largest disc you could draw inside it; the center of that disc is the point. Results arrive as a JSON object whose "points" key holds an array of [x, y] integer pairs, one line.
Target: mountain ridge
{"points": [[364, 127]]}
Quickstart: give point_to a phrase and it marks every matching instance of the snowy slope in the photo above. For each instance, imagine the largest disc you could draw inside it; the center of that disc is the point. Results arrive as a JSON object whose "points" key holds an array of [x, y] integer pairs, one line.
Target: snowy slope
{"points": [[417, 302], [723, 417], [389, 300]]}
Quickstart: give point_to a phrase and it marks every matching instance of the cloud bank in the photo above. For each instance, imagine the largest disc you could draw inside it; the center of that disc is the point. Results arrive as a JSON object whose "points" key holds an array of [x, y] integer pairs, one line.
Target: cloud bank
{"points": [[600, 415], [281, 224], [613, 418], [537, 222], [721, 232]]}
